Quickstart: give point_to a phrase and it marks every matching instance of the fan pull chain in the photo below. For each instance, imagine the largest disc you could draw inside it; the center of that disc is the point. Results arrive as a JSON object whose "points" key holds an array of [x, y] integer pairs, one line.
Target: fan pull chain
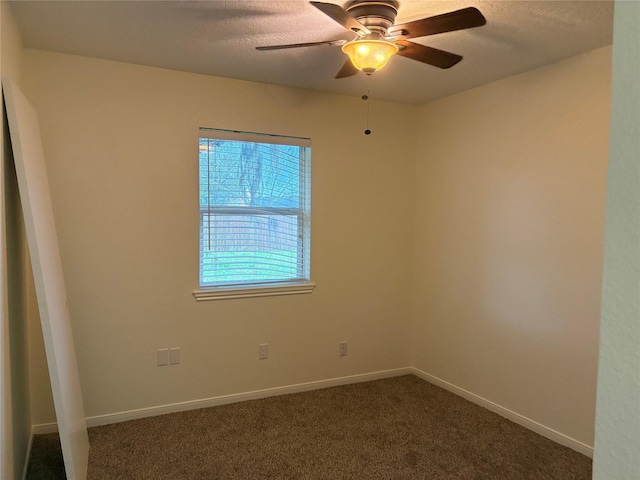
{"points": [[366, 99], [367, 85]]}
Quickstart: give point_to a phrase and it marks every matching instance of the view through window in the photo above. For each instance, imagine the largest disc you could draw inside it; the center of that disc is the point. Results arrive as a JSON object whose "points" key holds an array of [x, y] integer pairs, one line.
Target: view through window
{"points": [[254, 209]]}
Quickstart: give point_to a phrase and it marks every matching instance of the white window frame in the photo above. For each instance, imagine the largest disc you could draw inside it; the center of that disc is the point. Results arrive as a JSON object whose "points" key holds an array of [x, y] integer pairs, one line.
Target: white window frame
{"points": [[249, 290]]}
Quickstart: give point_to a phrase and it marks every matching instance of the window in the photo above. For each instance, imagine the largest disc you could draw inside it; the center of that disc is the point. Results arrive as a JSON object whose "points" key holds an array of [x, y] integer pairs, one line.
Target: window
{"points": [[254, 214]]}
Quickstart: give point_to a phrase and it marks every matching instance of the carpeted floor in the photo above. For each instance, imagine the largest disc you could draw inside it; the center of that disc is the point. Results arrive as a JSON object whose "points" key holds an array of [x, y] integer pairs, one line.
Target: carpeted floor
{"points": [[398, 428]]}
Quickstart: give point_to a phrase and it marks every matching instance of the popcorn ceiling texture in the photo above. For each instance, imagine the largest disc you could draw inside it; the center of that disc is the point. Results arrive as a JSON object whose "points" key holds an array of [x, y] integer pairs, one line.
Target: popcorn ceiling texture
{"points": [[218, 38]]}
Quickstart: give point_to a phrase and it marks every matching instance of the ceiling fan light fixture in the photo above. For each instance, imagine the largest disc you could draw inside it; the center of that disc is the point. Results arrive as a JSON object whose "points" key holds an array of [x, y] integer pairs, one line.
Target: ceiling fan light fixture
{"points": [[369, 55]]}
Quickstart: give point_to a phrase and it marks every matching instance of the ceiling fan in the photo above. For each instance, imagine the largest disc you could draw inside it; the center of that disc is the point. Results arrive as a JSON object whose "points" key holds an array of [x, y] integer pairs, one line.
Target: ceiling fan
{"points": [[377, 38]]}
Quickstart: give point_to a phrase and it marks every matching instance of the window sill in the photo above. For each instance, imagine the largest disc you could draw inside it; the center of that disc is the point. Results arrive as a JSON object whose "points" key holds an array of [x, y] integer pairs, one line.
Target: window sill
{"points": [[226, 293]]}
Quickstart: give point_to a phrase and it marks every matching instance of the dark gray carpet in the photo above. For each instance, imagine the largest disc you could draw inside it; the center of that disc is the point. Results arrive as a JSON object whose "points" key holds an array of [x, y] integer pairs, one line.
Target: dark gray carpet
{"points": [[397, 428]]}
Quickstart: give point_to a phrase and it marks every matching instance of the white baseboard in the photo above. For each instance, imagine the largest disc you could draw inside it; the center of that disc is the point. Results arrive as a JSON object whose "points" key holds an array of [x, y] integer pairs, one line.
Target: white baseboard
{"points": [[44, 428], [543, 430], [226, 399]]}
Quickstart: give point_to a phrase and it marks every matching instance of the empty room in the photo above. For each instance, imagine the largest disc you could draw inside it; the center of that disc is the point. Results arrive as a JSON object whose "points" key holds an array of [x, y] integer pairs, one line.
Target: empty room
{"points": [[235, 246]]}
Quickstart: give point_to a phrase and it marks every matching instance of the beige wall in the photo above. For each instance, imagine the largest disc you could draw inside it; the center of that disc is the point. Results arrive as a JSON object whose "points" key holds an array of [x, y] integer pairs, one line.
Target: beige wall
{"points": [[15, 429], [120, 144], [618, 417], [509, 238], [507, 249]]}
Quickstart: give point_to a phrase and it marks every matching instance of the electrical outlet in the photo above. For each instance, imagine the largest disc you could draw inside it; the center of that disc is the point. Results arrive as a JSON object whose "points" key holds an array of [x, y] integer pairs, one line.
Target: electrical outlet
{"points": [[343, 349], [263, 351]]}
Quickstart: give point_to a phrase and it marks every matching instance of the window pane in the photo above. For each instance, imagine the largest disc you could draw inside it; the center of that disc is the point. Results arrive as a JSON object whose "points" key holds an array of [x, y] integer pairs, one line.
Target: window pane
{"points": [[253, 211], [249, 248], [234, 173]]}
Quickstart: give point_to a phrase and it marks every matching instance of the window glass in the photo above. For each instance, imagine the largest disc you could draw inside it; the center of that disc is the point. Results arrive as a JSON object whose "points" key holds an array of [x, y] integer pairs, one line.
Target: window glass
{"points": [[254, 209]]}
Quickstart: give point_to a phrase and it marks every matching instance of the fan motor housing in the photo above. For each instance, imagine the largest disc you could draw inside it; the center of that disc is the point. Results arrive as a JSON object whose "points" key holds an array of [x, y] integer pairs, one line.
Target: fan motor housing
{"points": [[375, 15]]}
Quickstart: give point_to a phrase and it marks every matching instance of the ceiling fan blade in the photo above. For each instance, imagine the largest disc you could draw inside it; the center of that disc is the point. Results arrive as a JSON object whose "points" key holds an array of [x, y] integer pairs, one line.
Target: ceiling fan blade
{"points": [[428, 55], [340, 15], [347, 70], [447, 22], [337, 43]]}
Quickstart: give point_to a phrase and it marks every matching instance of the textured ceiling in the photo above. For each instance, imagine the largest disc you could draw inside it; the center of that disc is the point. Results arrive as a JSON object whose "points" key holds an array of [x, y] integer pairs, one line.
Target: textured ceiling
{"points": [[218, 38]]}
